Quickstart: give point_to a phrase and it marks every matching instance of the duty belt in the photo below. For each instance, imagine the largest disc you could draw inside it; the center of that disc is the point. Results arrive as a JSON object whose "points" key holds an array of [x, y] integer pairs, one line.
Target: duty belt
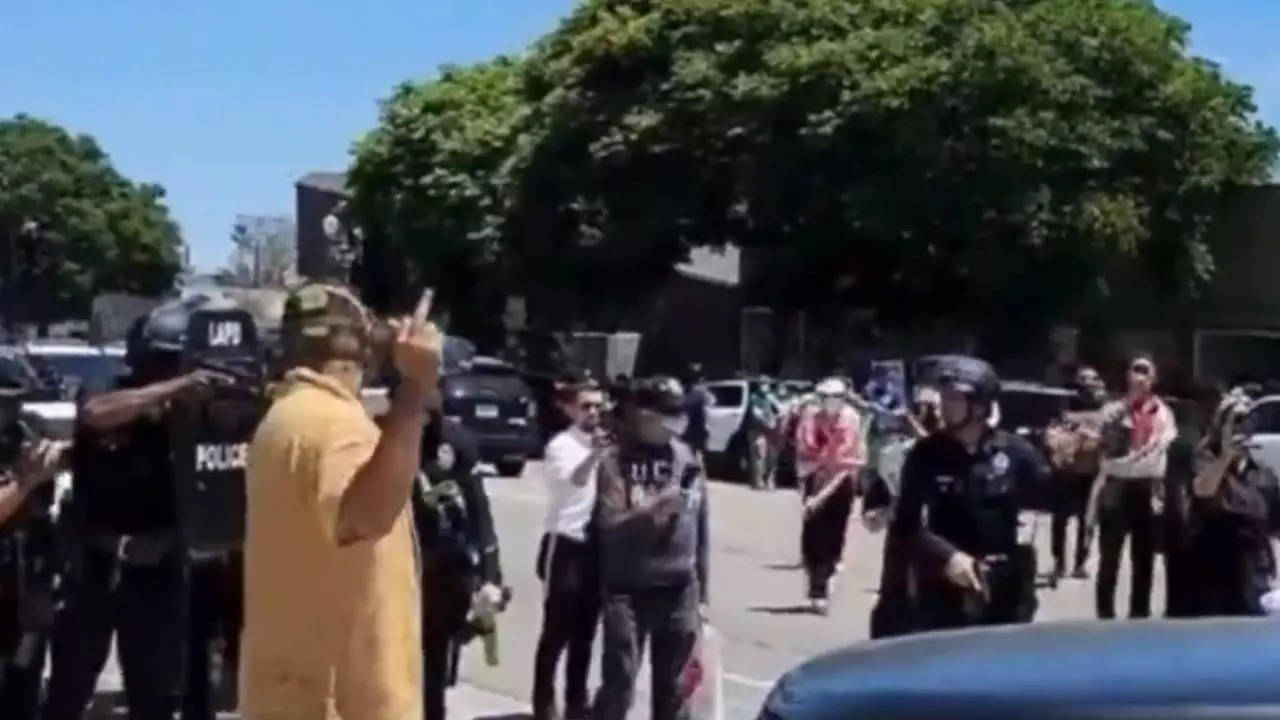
{"points": [[149, 549]]}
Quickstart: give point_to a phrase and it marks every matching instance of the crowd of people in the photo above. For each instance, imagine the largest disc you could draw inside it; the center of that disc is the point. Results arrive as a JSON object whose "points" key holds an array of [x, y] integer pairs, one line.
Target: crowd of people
{"points": [[370, 554]]}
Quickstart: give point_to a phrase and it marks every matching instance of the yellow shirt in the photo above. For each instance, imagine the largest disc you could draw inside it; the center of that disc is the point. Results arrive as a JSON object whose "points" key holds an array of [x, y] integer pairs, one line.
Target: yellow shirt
{"points": [[330, 633]]}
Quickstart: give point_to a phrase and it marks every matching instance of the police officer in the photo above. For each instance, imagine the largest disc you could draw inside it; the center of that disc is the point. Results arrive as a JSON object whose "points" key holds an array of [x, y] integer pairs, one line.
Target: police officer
{"points": [[127, 571], [26, 556], [972, 479], [459, 551]]}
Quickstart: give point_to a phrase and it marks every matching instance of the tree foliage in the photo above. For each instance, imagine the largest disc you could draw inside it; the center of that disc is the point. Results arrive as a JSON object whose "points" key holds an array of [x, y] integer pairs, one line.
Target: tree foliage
{"points": [[923, 157], [427, 183], [71, 226]]}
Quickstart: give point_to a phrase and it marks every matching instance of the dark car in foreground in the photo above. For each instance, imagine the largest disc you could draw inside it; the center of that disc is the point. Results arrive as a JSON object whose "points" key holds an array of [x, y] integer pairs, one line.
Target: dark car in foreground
{"points": [[490, 398], [1156, 669]]}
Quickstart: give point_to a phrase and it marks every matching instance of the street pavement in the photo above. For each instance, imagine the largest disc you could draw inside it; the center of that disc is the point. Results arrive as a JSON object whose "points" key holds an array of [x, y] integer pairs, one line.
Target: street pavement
{"points": [[757, 599]]}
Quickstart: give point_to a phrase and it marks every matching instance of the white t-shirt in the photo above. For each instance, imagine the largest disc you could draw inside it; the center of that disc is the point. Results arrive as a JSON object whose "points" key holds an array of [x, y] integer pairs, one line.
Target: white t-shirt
{"points": [[569, 507]]}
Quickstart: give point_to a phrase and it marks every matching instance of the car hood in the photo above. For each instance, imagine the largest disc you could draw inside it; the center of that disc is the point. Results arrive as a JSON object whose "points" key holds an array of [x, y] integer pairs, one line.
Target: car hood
{"points": [[1050, 670]]}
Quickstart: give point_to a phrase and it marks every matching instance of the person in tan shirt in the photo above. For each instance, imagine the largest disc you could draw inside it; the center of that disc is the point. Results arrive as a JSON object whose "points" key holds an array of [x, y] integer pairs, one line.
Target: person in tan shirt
{"points": [[332, 611]]}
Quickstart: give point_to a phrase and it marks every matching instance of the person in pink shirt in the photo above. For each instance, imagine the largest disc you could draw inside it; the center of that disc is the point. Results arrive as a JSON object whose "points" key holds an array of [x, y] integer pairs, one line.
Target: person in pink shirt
{"points": [[829, 452]]}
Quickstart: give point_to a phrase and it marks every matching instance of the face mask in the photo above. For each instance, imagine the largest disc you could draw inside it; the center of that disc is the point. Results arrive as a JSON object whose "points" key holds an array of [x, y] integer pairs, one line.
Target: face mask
{"points": [[676, 425], [832, 406], [653, 433]]}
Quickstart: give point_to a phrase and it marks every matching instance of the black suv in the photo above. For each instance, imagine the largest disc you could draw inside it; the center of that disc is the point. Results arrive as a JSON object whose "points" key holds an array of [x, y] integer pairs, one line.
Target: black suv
{"points": [[491, 399]]}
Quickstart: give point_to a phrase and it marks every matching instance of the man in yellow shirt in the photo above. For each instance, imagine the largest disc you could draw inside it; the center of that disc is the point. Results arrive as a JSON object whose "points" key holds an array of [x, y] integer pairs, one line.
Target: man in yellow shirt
{"points": [[332, 614]]}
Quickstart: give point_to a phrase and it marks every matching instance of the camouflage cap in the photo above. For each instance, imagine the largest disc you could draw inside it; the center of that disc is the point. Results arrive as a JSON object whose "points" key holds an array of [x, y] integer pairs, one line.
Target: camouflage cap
{"points": [[314, 314]]}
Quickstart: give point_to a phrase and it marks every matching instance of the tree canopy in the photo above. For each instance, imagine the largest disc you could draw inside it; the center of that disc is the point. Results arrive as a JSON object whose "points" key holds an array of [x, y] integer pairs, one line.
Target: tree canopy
{"points": [[71, 226], [922, 157], [428, 182]]}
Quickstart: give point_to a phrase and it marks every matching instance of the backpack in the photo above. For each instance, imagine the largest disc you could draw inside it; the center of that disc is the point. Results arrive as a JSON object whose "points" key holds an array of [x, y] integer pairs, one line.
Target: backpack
{"points": [[440, 514]]}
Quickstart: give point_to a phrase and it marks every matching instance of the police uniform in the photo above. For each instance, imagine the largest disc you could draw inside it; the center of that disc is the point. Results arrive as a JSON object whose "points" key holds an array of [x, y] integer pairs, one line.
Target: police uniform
{"points": [[26, 600], [459, 551], [127, 574], [972, 502]]}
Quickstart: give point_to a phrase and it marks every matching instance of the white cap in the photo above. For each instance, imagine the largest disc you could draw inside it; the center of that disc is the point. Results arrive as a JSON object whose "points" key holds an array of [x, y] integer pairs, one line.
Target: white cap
{"points": [[832, 386]]}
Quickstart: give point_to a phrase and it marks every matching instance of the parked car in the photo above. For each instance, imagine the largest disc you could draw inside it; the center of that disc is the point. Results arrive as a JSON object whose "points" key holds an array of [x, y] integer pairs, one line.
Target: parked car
{"points": [[490, 398], [726, 424], [1027, 407], [71, 366], [1203, 669], [1264, 445]]}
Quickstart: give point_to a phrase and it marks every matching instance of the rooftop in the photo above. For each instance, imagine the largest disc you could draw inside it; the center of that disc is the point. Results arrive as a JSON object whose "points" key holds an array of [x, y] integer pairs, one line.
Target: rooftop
{"points": [[333, 182]]}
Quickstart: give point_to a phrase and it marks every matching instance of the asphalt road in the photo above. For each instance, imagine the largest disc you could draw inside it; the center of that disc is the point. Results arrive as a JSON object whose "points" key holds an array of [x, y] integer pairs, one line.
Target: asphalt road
{"points": [[757, 591], [757, 595]]}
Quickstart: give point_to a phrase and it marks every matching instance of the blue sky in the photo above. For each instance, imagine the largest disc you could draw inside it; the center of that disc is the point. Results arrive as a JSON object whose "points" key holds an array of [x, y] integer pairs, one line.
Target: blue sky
{"points": [[227, 103]]}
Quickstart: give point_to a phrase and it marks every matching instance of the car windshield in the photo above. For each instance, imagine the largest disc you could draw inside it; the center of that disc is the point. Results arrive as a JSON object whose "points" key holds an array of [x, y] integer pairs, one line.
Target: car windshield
{"points": [[90, 371], [1266, 418], [498, 381], [726, 395], [1031, 410]]}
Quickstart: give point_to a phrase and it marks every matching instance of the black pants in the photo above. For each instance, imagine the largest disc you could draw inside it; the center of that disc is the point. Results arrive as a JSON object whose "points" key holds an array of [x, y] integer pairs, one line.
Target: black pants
{"points": [[1125, 511], [1071, 501], [823, 536], [215, 614], [21, 668], [1231, 575], [146, 608], [668, 619], [444, 617], [570, 613]]}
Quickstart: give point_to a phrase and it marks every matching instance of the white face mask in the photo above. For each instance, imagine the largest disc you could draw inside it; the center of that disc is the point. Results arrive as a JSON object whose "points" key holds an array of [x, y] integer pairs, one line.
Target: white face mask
{"points": [[832, 405]]}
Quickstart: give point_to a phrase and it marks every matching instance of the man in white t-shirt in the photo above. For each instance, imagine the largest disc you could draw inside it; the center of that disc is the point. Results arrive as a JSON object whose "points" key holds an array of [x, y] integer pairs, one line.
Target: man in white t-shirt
{"points": [[567, 562]]}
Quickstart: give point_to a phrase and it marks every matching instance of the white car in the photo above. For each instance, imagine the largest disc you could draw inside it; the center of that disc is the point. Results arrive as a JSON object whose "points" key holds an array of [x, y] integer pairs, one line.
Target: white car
{"points": [[1264, 445]]}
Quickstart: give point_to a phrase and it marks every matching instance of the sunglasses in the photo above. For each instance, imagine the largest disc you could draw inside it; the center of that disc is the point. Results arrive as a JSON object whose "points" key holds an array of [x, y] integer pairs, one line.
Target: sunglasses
{"points": [[1140, 369]]}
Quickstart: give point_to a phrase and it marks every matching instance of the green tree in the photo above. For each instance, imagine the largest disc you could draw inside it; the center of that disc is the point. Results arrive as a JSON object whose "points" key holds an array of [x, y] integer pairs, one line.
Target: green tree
{"points": [[71, 226], [427, 184], [932, 158], [924, 157]]}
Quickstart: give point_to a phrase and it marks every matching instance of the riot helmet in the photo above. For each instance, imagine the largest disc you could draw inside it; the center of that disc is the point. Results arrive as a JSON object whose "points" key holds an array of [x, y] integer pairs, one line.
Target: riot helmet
{"points": [[972, 378], [155, 342]]}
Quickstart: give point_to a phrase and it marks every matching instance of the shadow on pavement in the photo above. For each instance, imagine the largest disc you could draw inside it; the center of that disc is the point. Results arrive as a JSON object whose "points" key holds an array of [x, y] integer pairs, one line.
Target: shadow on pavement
{"points": [[782, 609], [784, 566]]}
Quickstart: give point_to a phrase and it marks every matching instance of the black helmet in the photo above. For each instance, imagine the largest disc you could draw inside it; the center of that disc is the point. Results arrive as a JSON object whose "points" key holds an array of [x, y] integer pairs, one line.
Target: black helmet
{"points": [[969, 375], [162, 333]]}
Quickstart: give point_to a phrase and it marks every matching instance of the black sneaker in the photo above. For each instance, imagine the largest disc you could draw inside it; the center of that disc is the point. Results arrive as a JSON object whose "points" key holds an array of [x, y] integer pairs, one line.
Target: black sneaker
{"points": [[1080, 573]]}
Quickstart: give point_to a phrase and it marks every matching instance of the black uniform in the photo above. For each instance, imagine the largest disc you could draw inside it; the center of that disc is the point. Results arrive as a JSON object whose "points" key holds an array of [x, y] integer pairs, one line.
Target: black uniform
{"points": [[1230, 548], [127, 575], [459, 553], [972, 502], [214, 621], [26, 599]]}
